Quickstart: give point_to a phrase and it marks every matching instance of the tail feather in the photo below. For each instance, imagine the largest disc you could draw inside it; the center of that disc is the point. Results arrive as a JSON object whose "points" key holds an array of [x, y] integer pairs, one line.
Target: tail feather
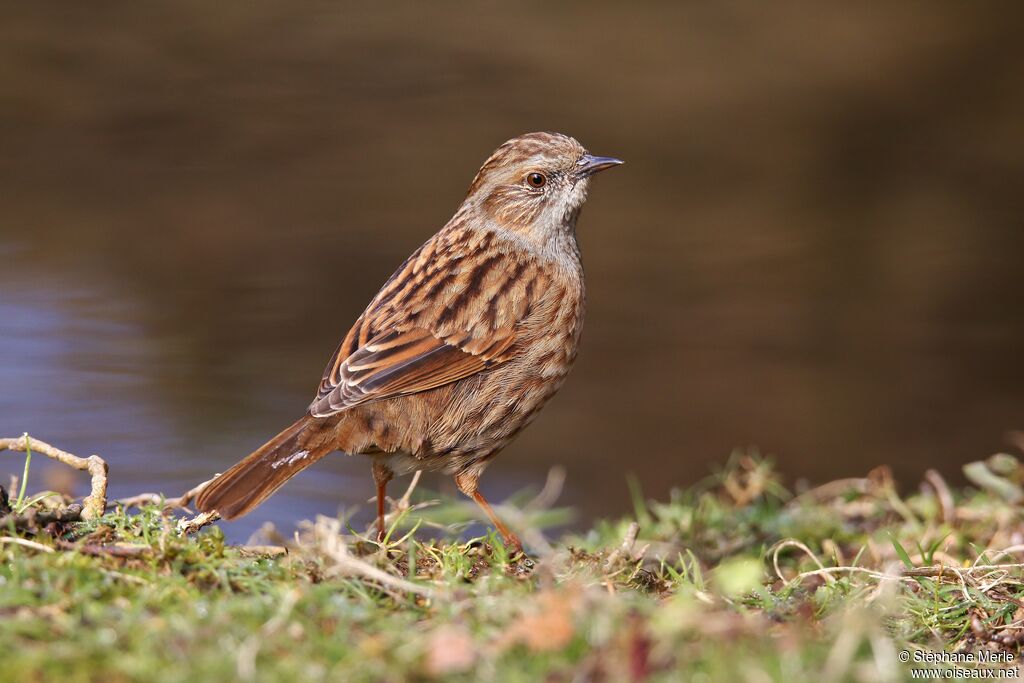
{"points": [[254, 479]]}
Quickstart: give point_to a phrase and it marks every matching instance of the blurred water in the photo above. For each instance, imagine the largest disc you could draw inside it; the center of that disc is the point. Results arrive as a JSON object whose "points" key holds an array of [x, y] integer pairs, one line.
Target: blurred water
{"points": [[814, 248]]}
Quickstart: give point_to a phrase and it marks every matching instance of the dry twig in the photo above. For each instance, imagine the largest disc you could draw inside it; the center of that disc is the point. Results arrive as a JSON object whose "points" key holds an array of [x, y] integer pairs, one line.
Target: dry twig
{"points": [[35, 517], [944, 495], [327, 539], [27, 543], [624, 551], [179, 503], [121, 550], [403, 502], [194, 524], [96, 502], [548, 495]]}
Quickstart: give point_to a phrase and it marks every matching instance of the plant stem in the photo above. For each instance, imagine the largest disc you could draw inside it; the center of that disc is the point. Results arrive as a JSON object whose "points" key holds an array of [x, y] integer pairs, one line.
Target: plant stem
{"points": [[24, 474]]}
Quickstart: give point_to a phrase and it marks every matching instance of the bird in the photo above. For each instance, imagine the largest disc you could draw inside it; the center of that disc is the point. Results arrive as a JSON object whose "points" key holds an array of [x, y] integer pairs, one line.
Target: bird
{"points": [[461, 347]]}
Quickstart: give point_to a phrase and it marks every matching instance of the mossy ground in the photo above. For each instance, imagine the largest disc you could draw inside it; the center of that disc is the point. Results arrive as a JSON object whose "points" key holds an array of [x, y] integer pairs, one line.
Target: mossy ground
{"points": [[684, 589]]}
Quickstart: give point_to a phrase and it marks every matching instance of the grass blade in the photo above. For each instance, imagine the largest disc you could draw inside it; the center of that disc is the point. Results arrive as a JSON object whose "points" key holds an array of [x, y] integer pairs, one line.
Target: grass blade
{"points": [[24, 474], [900, 550]]}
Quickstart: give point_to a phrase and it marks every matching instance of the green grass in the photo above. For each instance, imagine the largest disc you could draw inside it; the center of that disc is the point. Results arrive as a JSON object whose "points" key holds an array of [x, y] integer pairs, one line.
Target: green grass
{"points": [[865, 573]]}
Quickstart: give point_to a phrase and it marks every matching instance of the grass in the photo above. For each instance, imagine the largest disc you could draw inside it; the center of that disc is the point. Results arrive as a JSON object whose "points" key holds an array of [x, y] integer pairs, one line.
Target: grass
{"points": [[736, 579]]}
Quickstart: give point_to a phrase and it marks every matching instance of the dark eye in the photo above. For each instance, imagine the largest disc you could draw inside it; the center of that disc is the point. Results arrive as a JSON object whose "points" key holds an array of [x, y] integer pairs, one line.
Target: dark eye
{"points": [[536, 180]]}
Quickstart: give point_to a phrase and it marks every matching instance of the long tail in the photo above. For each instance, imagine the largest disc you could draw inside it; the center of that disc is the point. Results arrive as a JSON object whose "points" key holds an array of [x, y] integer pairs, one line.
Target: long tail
{"points": [[254, 479]]}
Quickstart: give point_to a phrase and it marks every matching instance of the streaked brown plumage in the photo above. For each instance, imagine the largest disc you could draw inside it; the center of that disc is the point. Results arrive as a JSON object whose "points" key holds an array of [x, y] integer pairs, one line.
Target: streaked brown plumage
{"points": [[461, 347]]}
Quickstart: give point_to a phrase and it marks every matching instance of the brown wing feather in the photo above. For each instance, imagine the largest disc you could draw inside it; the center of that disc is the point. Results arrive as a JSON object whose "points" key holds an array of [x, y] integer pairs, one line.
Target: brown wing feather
{"points": [[417, 363], [449, 312]]}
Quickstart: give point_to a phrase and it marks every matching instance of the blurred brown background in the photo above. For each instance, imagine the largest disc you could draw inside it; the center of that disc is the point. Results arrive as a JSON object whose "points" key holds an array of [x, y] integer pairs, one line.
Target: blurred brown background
{"points": [[815, 247]]}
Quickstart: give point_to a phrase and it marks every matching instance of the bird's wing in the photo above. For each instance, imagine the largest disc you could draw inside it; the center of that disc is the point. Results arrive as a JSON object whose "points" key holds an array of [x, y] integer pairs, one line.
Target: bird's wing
{"points": [[453, 309], [397, 363]]}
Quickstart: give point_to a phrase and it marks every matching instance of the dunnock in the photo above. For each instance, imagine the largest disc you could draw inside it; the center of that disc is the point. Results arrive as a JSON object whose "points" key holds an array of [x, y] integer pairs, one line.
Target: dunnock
{"points": [[461, 347]]}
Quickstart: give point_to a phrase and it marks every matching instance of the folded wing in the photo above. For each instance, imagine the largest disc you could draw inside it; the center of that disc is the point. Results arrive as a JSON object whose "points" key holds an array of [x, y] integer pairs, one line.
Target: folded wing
{"points": [[451, 310], [398, 363]]}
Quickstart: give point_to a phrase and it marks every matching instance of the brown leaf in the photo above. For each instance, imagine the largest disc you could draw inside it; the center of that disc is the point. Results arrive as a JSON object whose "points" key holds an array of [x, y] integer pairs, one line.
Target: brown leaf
{"points": [[450, 650], [547, 624]]}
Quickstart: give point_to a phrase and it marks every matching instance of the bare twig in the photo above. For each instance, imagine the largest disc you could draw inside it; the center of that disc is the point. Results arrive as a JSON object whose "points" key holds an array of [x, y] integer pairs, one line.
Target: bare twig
{"points": [[793, 543], [194, 524], [140, 499], [831, 490], [113, 550], [401, 506], [994, 573], [35, 518], [942, 492], [996, 553], [328, 540], [624, 551], [552, 490], [179, 503], [262, 550], [187, 497], [25, 542], [129, 578], [403, 502], [96, 502]]}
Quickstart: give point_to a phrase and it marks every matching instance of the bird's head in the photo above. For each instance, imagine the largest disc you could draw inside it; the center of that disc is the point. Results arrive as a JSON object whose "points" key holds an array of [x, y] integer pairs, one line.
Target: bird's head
{"points": [[535, 184]]}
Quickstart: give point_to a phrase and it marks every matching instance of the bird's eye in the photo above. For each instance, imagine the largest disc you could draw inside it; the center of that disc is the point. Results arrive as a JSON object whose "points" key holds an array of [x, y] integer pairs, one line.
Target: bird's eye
{"points": [[536, 180]]}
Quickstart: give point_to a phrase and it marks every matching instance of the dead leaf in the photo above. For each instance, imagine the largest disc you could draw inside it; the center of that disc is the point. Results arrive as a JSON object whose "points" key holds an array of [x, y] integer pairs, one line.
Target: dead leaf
{"points": [[547, 623], [450, 649]]}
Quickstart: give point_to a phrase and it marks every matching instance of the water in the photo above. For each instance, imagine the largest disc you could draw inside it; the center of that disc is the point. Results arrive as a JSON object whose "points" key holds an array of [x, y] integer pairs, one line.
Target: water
{"points": [[814, 248]]}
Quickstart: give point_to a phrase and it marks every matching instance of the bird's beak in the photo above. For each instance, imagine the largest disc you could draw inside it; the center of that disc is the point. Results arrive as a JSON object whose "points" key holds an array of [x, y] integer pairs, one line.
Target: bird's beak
{"points": [[588, 165]]}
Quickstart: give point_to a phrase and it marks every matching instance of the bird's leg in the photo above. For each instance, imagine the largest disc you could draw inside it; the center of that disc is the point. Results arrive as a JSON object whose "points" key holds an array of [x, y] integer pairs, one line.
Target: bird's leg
{"points": [[382, 474], [467, 483]]}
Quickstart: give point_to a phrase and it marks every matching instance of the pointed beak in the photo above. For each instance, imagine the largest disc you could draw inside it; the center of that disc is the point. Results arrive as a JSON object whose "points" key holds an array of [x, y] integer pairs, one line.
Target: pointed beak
{"points": [[588, 165]]}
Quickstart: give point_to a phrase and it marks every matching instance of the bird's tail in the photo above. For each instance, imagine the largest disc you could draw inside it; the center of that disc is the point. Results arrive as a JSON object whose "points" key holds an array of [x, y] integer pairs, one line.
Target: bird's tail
{"points": [[254, 479]]}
